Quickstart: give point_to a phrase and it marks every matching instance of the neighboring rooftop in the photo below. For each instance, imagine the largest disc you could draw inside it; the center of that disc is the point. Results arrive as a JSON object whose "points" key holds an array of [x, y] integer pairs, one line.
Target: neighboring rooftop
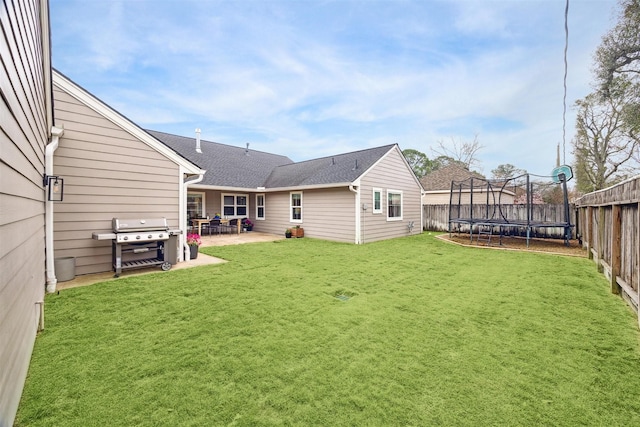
{"points": [[440, 179]]}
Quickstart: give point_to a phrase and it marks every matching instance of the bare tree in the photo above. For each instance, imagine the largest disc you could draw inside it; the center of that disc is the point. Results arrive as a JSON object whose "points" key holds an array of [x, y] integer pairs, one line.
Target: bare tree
{"points": [[462, 152], [605, 144], [506, 171]]}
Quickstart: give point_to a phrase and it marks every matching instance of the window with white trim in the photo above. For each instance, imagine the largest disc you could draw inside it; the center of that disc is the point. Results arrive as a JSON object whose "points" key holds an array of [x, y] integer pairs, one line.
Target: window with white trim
{"points": [[234, 205], [377, 200], [295, 206], [260, 206], [394, 205]]}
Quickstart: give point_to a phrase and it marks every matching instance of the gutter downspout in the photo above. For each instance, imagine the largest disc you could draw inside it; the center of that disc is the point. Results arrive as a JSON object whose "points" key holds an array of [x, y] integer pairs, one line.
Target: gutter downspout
{"points": [[183, 209], [56, 133], [355, 188]]}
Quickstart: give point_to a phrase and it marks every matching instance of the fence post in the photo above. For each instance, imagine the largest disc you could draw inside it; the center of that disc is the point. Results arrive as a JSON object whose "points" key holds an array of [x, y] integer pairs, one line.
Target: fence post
{"points": [[616, 262], [600, 248], [589, 230]]}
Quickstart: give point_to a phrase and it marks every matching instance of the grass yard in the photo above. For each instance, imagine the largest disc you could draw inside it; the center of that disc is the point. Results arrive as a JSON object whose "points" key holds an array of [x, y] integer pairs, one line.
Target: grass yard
{"points": [[431, 334]]}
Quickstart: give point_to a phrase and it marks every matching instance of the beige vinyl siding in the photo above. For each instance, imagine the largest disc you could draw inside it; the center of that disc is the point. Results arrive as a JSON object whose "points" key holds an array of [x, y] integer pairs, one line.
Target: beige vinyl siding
{"points": [[24, 108], [327, 214], [107, 173], [391, 173]]}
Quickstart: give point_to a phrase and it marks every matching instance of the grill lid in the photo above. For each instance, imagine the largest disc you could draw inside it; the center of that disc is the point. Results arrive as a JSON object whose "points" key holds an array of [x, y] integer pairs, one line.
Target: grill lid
{"points": [[139, 224]]}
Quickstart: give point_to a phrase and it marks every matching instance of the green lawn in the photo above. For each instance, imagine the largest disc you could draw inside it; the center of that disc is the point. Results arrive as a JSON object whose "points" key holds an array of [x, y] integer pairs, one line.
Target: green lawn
{"points": [[432, 334]]}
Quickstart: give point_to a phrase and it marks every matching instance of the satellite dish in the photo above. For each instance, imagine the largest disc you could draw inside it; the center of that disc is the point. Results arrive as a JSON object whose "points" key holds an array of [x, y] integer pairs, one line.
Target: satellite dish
{"points": [[561, 170]]}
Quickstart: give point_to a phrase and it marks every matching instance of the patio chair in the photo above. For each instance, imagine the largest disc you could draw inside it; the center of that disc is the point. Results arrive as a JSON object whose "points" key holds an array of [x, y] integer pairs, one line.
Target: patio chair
{"points": [[214, 224], [232, 226]]}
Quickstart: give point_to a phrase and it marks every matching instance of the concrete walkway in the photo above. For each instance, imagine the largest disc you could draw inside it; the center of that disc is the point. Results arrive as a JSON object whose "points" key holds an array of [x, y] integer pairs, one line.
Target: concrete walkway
{"points": [[203, 259]]}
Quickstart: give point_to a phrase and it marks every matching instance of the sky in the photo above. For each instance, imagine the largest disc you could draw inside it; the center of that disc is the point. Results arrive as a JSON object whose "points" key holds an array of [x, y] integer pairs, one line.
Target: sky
{"points": [[311, 78]]}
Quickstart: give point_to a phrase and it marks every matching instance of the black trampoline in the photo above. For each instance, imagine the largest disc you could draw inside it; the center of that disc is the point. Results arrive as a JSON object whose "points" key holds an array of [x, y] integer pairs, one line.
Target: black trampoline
{"points": [[478, 206]]}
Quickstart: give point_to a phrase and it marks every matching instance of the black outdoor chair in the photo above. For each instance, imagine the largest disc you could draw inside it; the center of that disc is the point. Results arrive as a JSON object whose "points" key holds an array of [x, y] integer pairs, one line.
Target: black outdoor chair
{"points": [[214, 224], [232, 226]]}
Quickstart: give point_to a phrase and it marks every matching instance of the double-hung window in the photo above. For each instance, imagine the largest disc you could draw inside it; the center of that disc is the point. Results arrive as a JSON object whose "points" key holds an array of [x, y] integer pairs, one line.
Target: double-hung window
{"points": [[295, 206], [260, 206], [394, 205], [234, 205]]}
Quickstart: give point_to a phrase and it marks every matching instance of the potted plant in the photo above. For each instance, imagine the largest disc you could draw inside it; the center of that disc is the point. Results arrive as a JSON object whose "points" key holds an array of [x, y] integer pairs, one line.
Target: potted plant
{"points": [[297, 231], [247, 224], [194, 242], [287, 233]]}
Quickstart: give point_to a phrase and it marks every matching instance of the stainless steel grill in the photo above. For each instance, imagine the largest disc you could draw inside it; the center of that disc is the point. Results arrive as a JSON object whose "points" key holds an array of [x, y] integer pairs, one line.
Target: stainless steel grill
{"points": [[141, 242]]}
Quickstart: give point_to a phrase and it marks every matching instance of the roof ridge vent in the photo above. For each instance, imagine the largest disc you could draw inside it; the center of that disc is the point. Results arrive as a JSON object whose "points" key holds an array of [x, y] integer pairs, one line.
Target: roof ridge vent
{"points": [[198, 149]]}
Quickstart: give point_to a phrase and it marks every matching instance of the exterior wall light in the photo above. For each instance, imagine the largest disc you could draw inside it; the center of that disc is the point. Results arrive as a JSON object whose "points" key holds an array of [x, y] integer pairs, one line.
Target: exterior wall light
{"points": [[55, 186]]}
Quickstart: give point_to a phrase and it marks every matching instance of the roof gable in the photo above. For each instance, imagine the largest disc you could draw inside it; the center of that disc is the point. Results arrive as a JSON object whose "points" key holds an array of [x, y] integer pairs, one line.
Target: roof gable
{"points": [[339, 169]]}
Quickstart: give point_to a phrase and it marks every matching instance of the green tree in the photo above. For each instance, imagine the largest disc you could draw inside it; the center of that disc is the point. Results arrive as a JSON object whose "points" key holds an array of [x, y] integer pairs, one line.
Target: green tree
{"points": [[619, 52], [419, 162]]}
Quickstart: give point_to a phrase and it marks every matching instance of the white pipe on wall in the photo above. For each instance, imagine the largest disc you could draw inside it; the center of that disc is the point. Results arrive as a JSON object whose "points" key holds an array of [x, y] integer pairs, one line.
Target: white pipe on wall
{"points": [[355, 188], [183, 209], [56, 133]]}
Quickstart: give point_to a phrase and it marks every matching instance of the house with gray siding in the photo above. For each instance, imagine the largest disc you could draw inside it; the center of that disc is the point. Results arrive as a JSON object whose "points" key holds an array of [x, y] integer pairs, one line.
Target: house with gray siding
{"points": [[26, 129], [355, 197]]}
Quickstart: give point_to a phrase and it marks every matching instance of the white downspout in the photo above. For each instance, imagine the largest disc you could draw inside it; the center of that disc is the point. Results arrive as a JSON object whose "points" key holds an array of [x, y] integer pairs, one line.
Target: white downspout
{"points": [[56, 133], [356, 189], [183, 210]]}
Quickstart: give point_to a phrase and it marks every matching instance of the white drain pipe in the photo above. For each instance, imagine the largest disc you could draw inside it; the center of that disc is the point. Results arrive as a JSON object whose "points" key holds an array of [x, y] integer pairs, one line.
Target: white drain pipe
{"points": [[185, 248], [56, 133], [355, 188]]}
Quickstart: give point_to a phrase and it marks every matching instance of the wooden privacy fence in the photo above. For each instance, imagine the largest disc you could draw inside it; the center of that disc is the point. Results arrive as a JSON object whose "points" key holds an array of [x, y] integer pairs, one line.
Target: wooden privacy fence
{"points": [[608, 224], [436, 217]]}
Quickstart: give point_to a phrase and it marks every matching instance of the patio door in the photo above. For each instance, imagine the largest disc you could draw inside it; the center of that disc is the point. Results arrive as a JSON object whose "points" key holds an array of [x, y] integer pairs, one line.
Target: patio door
{"points": [[195, 205]]}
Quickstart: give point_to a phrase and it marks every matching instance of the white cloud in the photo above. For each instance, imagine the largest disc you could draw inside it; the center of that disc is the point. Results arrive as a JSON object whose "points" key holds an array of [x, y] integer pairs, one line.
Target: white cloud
{"points": [[318, 78]]}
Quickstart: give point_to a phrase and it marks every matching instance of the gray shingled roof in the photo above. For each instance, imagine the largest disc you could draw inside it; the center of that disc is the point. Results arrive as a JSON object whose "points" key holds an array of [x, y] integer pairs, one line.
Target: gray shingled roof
{"points": [[226, 165], [229, 166], [440, 179], [336, 169]]}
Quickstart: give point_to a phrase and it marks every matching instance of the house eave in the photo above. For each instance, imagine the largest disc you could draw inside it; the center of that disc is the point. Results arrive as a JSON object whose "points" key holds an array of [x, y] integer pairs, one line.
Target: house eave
{"points": [[270, 190]]}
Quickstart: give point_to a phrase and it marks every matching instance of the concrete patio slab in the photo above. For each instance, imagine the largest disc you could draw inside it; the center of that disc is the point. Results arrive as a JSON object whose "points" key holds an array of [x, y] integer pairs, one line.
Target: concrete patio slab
{"points": [[203, 259]]}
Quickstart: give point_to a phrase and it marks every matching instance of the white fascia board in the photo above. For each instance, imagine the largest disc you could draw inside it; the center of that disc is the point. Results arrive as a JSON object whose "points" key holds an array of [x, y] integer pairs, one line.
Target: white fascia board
{"points": [[307, 187], [119, 120], [271, 190]]}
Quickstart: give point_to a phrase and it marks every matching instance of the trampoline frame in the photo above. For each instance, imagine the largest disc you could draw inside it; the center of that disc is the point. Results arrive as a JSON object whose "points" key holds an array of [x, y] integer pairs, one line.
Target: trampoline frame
{"points": [[494, 216]]}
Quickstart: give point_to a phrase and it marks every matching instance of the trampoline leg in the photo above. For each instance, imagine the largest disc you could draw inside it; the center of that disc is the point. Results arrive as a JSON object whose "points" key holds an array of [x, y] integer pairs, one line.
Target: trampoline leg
{"points": [[528, 235]]}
